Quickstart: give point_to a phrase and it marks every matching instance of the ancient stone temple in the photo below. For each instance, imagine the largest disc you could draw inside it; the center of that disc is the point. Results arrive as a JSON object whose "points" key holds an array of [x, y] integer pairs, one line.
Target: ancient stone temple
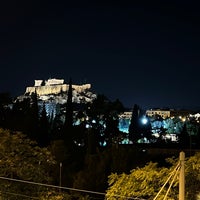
{"points": [[54, 86]]}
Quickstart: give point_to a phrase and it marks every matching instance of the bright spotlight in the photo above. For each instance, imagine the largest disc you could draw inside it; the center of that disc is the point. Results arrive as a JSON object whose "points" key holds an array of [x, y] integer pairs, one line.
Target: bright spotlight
{"points": [[144, 120]]}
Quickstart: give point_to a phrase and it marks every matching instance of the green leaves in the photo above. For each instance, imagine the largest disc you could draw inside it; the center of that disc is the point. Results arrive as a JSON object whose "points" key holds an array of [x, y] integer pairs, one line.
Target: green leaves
{"points": [[20, 158], [146, 182]]}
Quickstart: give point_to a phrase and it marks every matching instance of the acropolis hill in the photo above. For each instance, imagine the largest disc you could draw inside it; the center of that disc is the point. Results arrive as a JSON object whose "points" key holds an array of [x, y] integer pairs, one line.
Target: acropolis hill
{"points": [[54, 86], [54, 91]]}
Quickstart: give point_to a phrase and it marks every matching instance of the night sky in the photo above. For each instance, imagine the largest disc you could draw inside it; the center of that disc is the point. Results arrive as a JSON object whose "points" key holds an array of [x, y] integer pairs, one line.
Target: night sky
{"points": [[146, 53]]}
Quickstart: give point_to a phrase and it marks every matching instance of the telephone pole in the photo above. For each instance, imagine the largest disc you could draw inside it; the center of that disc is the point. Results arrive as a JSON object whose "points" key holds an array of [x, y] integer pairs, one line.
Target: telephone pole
{"points": [[182, 177]]}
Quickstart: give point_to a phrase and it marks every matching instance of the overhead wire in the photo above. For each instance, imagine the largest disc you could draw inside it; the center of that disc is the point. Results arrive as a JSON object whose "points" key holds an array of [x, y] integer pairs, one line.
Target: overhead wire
{"points": [[175, 175], [172, 173], [66, 188], [52, 186]]}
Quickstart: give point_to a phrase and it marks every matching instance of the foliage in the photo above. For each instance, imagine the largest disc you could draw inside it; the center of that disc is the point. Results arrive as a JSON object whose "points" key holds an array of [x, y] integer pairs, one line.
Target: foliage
{"points": [[93, 177], [103, 119], [20, 158], [146, 182], [137, 130], [192, 173], [24, 117], [69, 108], [44, 126], [141, 182], [134, 134], [184, 138], [53, 195]]}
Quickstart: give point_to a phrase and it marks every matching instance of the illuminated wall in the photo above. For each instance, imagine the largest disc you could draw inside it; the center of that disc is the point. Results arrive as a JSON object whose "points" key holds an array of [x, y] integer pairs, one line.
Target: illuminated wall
{"points": [[163, 113], [54, 86]]}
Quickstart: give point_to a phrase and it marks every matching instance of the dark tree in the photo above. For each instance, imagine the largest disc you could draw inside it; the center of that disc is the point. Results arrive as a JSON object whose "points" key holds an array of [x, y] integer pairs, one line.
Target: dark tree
{"points": [[118, 106], [105, 114], [21, 119], [135, 128], [44, 136], [94, 174], [92, 142], [5, 99], [56, 127], [34, 117], [146, 129], [162, 133], [198, 138], [111, 131], [96, 112], [69, 108], [99, 107], [68, 124], [184, 138]]}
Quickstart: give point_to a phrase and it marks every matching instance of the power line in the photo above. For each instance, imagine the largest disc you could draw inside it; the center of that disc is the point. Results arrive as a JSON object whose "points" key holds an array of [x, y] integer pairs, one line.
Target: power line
{"points": [[174, 171], [175, 175], [65, 188], [52, 186]]}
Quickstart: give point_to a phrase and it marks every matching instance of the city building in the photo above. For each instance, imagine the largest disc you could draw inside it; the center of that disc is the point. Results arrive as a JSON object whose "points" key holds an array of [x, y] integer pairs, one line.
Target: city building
{"points": [[168, 113], [154, 112]]}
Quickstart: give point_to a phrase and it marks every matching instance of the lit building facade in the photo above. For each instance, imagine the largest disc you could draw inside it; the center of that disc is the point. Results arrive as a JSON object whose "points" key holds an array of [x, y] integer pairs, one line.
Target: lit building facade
{"points": [[163, 113], [54, 86]]}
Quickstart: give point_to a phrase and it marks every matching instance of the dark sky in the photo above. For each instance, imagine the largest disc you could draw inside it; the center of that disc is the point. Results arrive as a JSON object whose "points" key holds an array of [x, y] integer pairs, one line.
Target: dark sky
{"points": [[146, 53]]}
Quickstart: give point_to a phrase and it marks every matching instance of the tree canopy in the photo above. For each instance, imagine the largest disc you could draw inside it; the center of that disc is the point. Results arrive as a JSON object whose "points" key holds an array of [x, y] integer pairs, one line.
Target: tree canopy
{"points": [[21, 158], [146, 182]]}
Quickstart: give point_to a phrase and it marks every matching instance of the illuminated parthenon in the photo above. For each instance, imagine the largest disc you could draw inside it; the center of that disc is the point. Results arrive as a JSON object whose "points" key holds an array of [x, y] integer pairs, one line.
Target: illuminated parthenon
{"points": [[54, 86]]}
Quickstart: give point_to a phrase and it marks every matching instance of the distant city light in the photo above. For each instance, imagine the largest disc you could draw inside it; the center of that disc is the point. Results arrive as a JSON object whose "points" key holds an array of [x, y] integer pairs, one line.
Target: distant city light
{"points": [[87, 126]]}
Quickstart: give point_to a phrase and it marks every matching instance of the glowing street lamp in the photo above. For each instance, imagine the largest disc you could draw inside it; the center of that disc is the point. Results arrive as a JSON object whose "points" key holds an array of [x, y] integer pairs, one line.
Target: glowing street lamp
{"points": [[144, 120]]}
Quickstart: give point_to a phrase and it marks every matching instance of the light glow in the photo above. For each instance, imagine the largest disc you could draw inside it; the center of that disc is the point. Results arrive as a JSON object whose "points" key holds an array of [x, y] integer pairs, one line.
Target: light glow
{"points": [[144, 120]]}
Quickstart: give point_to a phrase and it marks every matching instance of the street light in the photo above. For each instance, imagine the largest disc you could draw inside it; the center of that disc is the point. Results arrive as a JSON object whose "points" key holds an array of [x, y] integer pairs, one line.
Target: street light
{"points": [[144, 120]]}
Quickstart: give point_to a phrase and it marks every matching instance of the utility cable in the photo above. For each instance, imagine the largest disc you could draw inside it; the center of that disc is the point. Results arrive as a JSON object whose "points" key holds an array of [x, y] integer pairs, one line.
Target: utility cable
{"points": [[167, 180], [52, 186], [172, 182], [65, 188]]}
